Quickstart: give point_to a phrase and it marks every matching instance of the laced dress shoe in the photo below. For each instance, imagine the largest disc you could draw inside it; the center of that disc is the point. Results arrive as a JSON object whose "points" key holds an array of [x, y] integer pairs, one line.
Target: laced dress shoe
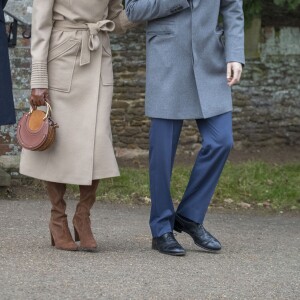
{"points": [[199, 234], [167, 244]]}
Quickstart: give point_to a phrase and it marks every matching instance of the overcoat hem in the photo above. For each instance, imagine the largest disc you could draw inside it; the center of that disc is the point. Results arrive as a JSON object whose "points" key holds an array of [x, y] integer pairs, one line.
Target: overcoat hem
{"points": [[69, 180], [188, 117]]}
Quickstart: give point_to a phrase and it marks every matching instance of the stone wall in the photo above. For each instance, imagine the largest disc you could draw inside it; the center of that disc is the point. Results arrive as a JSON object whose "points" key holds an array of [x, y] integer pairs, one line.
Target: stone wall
{"points": [[266, 103]]}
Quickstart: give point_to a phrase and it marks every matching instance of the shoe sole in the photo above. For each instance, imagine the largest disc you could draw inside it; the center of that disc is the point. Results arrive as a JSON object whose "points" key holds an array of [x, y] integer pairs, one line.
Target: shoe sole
{"points": [[206, 249], [92, 250], [63, 249], [172, 254]]}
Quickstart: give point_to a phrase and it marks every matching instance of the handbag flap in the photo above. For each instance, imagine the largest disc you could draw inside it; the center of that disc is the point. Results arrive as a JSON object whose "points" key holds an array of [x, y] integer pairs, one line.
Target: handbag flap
{"points": [[36, 120]]}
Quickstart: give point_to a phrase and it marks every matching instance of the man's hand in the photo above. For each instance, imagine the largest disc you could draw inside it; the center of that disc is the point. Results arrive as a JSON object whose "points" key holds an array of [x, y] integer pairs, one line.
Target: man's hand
{"points": [[38, 97], [234, 72]]}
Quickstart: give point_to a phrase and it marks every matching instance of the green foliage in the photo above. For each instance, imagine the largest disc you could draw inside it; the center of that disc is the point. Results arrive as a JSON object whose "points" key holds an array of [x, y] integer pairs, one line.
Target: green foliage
{"points": [[253, 8], [256, 183], [290, 4]]}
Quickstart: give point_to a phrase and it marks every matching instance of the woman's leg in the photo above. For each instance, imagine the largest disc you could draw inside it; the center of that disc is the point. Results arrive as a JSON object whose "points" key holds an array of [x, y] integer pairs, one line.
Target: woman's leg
{"points": [[81, 220], [60, 234]]}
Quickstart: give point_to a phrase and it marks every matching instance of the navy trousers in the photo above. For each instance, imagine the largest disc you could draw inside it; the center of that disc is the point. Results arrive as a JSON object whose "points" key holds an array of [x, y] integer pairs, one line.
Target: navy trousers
{"points": [[217, 141]]}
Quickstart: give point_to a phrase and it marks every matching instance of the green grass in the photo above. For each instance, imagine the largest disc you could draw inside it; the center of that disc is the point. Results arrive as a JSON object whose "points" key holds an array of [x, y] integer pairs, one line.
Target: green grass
{"points": [[256, 183]]}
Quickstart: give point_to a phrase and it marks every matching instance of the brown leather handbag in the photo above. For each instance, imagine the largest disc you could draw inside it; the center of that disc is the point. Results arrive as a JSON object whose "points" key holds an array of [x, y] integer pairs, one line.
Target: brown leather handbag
{"points": [[36, 130]]}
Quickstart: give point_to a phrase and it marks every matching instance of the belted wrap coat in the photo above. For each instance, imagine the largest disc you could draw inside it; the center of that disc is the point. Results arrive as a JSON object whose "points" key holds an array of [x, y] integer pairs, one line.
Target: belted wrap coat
{"points": [[7, 111], [187, 53], [71, 56]]}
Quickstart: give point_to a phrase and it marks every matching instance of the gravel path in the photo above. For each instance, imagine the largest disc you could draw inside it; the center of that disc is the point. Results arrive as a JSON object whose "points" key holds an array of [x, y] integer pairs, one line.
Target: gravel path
{"points": [[260, 258]]}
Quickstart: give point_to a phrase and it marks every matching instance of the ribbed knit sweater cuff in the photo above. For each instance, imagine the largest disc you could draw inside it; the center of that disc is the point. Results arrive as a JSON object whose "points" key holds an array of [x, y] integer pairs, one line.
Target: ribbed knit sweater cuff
{"points": [[39, 75]]}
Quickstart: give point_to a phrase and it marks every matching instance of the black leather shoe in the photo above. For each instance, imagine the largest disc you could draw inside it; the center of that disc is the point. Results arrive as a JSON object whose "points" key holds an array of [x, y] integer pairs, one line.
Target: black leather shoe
{"points": [[167, 244], [201, 237]]}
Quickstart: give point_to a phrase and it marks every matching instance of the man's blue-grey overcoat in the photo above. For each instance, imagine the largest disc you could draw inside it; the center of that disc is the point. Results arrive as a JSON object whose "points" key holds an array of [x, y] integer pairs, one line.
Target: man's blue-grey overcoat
{"points": [[187, 52], [7, 111]]}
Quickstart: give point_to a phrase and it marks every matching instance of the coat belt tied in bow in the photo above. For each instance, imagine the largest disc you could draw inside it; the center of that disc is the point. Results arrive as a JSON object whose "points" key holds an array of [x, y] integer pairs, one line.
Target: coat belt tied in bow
{"points": [[92, 39]]}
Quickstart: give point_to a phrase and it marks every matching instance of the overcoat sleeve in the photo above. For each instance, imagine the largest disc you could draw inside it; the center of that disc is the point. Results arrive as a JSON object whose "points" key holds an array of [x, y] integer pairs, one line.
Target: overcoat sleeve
{"points": [[119, 17], [233, 18], [4, 3], [146, 10], [42, 23]]}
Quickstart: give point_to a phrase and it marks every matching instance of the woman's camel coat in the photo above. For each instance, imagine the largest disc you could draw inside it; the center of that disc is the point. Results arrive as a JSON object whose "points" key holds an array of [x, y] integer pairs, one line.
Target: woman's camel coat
{"points": [[72, 57]]}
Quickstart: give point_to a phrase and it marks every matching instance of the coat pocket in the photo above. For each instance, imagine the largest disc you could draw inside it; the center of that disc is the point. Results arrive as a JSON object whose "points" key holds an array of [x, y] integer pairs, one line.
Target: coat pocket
{"points": [[61, 65], [151, 35]]}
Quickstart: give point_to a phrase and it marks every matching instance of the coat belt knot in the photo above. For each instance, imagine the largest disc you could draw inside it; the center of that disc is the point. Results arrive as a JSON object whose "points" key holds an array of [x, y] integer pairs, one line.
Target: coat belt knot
{"points": [[94, 29], [92, 38]]}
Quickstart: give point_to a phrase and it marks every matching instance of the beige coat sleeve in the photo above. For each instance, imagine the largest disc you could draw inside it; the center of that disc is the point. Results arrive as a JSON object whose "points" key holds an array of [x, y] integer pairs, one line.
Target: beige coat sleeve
{"points": [[117, 14], [41, 31]]}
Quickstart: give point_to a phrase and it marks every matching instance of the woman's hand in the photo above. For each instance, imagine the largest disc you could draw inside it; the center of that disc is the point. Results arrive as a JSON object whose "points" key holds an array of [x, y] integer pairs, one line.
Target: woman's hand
{"points": [[234, 72], [38, 97]]}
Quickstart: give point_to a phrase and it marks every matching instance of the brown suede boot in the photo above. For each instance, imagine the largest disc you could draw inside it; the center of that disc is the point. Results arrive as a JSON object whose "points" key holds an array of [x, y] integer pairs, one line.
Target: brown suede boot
{"points": [[60, 233], [81, 220]]}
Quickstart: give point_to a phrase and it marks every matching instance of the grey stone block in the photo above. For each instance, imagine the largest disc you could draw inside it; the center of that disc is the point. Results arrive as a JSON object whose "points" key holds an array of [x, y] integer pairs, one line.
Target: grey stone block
{"points": [[5, 178], [10, 162]]}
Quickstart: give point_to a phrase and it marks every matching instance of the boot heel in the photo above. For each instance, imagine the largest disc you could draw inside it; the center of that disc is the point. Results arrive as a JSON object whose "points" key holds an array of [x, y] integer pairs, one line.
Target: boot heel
{"points": [[60, 242], [52, 239], [76, 235]]}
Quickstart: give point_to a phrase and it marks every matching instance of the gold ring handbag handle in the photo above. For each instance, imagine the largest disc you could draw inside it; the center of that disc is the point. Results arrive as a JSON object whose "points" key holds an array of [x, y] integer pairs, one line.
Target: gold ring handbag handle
{"points": [[48, 112]]}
